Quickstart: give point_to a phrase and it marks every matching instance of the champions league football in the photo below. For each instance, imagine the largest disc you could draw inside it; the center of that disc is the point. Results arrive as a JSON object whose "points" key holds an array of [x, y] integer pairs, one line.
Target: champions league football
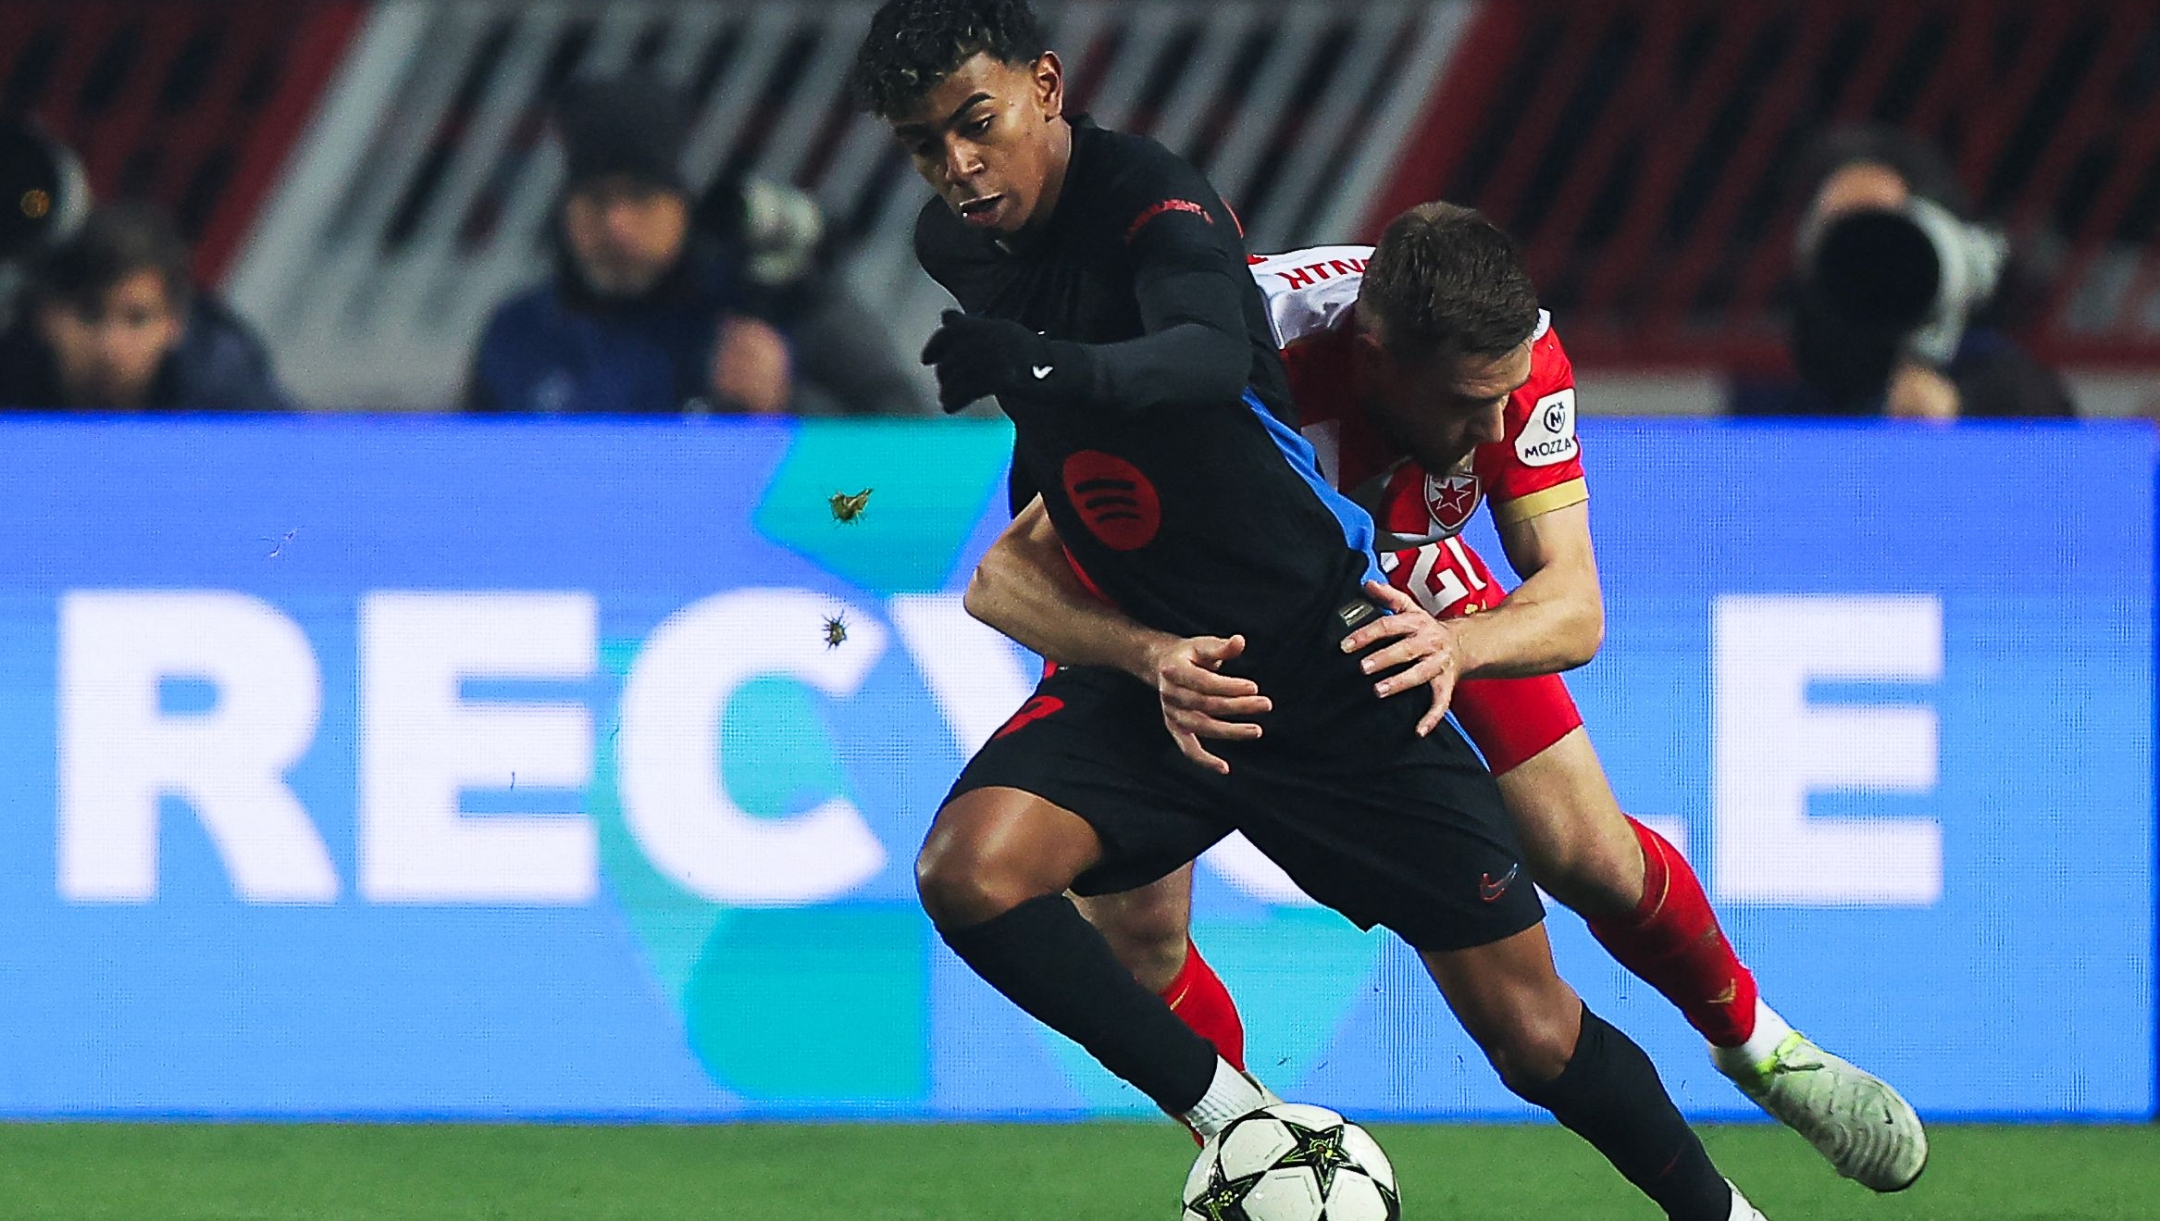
{"points": [[1292, 1162]]}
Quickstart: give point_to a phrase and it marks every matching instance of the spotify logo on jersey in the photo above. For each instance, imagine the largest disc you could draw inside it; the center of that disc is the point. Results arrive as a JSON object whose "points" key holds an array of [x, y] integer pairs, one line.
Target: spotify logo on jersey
{"points": [[1116, 501]]}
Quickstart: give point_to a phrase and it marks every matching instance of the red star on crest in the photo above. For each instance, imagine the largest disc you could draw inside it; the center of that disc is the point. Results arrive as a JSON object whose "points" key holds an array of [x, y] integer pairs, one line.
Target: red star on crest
{"points": [[1451, 499]]}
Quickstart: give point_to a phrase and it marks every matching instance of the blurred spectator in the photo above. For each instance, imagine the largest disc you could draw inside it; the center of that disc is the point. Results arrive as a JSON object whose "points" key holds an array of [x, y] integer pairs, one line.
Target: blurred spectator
{"points": [[1903, 300], [845, 360], [639, 318], [110, 320], [651, 312]]}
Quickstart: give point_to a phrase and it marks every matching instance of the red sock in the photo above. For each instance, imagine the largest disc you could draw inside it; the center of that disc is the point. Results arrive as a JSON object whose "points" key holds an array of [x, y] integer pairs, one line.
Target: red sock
{"points": [[1198, 997], [1672, 940]]}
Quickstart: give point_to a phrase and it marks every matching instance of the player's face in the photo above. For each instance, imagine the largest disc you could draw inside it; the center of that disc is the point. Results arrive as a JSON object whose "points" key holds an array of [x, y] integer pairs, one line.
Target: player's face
{"points": [[107, 350], [991, 141], [1441, 408], [625, 233]]}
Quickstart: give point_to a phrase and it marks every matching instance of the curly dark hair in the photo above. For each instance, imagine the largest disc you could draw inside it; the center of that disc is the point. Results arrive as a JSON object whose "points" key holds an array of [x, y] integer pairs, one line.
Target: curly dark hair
{"points": [[914, 44], [1444, 280]]}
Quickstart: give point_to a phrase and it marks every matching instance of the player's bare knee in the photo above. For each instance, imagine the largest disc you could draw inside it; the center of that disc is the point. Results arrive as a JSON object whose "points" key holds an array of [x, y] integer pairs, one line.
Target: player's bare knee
{"points": [[962, 885], [1150, 944], [1588, 883]]}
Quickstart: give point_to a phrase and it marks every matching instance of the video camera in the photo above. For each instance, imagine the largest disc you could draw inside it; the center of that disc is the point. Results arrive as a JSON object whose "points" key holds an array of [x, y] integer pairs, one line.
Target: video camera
{"points": [[1911, 277], [43, 194]]}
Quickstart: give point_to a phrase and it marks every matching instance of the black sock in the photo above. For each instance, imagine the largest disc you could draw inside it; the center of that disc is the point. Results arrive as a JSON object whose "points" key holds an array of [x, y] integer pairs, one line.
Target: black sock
{"points": [[1609, 1094], [1051, 962]]}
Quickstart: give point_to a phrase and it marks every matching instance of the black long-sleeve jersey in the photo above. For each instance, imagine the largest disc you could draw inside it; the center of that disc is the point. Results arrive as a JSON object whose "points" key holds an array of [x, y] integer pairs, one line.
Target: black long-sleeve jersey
{"points": [[1170, 460]]}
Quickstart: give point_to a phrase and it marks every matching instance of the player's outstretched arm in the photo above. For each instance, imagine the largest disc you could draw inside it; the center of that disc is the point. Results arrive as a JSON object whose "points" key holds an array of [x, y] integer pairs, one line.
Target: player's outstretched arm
{"points": [[1554, 621], [1026, 590]]}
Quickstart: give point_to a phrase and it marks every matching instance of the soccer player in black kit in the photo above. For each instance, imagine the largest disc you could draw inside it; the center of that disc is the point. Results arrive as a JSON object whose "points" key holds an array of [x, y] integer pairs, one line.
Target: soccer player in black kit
{"points": [[1107, 307]]}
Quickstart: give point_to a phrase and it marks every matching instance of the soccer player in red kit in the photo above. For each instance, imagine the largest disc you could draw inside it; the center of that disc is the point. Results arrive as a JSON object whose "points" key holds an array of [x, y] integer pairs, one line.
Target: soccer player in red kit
{"points": [[1421, 447]]}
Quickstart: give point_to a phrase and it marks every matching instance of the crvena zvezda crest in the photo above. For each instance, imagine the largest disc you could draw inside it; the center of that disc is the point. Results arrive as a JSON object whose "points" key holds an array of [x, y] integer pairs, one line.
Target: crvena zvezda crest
{"points": [[1451, 499]]}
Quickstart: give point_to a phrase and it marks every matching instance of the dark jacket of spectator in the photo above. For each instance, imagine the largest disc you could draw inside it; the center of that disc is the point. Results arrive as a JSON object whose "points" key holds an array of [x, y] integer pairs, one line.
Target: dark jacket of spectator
{"points": [[644, 315], [559, 348], [219, 365], [663, 304], [116, 296], [1994, 378]]}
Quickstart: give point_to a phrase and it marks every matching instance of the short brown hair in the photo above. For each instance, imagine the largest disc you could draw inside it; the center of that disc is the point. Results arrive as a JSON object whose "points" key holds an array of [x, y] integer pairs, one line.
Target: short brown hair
{"points": [[1446, 281]]}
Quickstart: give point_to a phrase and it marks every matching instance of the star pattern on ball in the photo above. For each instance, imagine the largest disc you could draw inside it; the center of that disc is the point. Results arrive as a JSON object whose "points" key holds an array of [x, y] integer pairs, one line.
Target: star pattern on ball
{"points": [[1222, 1198], [1323, 1152]]}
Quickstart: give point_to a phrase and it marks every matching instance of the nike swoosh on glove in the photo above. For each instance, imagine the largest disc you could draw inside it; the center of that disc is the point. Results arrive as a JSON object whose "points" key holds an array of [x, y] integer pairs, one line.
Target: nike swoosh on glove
{"points": [[977, 357]]}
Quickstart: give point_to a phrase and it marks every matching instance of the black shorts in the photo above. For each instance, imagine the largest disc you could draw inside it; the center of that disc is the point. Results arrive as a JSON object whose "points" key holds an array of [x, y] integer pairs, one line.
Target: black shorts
{"points": [[1383, 826]]}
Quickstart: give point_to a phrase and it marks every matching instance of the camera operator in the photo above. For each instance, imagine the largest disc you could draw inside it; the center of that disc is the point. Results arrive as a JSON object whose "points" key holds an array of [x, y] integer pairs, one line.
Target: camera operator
{"points": [[662, 303], [1902, 300], [640, 317], [845, 360]]}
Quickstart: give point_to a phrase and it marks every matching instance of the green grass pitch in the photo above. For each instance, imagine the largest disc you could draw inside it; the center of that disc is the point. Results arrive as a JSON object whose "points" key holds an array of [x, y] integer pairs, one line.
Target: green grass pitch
{"points": [[1086, 1172]]}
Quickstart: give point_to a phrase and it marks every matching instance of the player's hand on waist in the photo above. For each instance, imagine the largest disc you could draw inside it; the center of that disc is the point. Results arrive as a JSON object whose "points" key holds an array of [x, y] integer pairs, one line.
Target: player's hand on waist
{"points": [[1427, 646], [977, 357], [1200, 702]]}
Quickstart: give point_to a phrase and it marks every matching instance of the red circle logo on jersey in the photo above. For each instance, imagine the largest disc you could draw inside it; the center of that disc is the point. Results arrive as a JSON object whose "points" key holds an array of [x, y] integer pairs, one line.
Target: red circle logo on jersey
{"points": [[1115, 500], [1451, 499]]}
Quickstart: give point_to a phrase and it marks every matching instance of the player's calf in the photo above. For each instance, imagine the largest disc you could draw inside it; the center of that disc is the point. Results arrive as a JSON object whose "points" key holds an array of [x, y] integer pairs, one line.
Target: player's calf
{"points": [[1575, 838], [992, 875], [1149, 931], [1553, 1052], [1672, 940]]}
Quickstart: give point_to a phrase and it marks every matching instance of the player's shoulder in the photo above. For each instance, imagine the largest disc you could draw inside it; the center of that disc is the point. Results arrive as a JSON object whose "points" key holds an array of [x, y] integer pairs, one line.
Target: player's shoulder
{"points": [[1128, 160], [1541, 415], [1551, 372], [1309, 292], [1135, 182], [1549, 364]]}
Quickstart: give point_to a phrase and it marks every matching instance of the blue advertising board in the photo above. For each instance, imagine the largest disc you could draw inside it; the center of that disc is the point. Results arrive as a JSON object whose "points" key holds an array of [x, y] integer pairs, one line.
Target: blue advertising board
{"points": [[395, 769]]}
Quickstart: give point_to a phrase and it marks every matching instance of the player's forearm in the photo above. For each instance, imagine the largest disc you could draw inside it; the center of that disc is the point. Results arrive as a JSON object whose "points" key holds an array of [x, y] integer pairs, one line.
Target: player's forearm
{"points": [[1190, 364], [1195, 351], [1029, 594], [1546, 626]]}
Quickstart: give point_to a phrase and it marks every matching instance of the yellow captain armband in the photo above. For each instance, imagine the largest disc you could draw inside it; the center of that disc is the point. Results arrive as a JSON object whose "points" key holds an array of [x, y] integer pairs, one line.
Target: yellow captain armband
{"points": [[1540, 502]]}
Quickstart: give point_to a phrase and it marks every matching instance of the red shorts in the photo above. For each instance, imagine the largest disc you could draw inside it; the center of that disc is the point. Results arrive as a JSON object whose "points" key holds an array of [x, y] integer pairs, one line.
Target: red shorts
{"points": [[1511, 720]]}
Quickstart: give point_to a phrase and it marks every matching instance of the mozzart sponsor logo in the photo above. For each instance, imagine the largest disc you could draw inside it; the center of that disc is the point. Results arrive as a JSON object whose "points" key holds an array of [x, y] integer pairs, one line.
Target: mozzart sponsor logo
{"points": [[1548, 437], [434, 723]]}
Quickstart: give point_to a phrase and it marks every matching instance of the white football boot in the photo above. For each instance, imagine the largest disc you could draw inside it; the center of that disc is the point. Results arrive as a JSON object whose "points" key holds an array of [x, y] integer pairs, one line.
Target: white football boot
{"points": [[1865, 1128], [1741, 1209]]}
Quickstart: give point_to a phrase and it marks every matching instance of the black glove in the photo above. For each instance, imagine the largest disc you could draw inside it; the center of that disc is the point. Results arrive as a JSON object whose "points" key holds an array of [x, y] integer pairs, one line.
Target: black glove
{"points": [[977, 357]]}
